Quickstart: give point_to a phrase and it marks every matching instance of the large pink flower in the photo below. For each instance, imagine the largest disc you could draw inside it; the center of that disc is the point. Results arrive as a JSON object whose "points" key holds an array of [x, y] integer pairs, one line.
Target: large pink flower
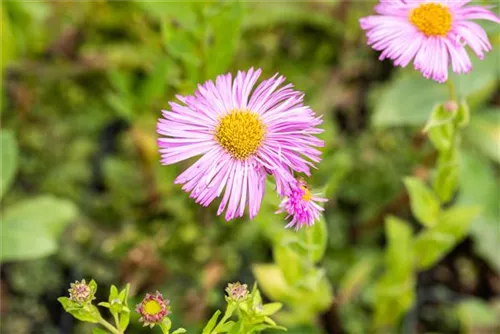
{"points": [[242, 136], [432, 33]]}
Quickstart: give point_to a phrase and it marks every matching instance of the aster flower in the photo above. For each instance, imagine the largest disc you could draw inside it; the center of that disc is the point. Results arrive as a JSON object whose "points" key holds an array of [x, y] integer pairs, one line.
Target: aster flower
{"points": [[237, 291], [242, 134], [153, 309], [302, 206], [431, 33]]}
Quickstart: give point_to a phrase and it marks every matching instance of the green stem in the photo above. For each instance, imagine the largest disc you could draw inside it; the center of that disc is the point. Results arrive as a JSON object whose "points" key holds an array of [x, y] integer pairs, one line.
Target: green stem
{"points": [[117, 321], [451, 90], [109, 327]]}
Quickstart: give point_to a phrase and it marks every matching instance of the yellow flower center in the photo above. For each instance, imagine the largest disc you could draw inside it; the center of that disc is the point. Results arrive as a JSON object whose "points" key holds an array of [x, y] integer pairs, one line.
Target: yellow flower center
{"points": [[241, 133], [432, 19], [307, 193], [152, 307]]}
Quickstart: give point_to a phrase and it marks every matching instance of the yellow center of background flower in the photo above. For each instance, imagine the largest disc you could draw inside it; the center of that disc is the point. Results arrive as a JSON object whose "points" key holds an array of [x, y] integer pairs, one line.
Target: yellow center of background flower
{"points": [[307, 193], [240, 133], [152, 307], [432, 19]]}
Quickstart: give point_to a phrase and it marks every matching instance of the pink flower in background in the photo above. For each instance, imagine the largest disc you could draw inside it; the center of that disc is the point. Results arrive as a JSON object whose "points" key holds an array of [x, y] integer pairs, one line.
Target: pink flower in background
{"points": [[302, 206], [242, 134], [431, 33]]}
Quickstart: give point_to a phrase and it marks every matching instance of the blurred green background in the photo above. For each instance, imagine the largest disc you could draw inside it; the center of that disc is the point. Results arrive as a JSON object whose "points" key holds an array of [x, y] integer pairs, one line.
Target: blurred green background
{"points": [[84, 195]]}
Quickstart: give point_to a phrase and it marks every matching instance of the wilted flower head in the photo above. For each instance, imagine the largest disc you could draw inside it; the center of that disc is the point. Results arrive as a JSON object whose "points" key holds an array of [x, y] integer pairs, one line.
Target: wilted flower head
{"points": [[432, 33], [80, 292], [153, 309], [237, 291], [242, 134], [301, 206]]}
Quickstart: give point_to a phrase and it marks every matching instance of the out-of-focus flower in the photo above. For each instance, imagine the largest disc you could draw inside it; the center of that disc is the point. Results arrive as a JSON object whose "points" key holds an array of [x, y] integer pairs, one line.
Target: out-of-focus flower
{"points": [[242, 135], [237, 292], [302, 206], [153, 309], [432, 33], [79, 292]]}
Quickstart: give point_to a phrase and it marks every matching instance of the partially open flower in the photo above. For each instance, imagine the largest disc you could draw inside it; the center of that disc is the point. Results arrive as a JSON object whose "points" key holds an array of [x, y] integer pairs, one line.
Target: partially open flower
{"points": [[153, 309], [301, 206], [79, 292], [237, 291]]}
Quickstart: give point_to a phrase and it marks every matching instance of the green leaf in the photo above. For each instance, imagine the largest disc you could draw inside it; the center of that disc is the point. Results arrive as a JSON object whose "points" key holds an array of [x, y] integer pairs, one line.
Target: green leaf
{"points": [[113, 293], [475, 316], [393, 297], [179, 331], [30, 228], [271, 308], [225, 327], [479, 186], [315, 238], [409, 98], [484, 133], [86, 313], [237, 327], [271, 281], [463, 114], [446, 180], [434, 243], [441, 128], [224, 41], [97, 330], [211, 323], [289, 261], [394, 291], [8, 156], [399, 253], [424, 203], [355, 278]]}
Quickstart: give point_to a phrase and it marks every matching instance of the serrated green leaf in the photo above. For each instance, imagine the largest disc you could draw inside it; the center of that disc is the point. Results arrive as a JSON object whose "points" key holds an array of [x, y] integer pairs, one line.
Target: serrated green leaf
{"points": [[8, 155], [424, 203]]}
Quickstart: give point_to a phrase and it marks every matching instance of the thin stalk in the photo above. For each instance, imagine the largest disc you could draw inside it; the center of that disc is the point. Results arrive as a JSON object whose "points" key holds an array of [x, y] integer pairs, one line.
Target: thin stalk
{"points": [[109, 327], [451, 90]]}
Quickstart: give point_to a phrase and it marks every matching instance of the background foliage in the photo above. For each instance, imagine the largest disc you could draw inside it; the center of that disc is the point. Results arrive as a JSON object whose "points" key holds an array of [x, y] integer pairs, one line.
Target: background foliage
{"points": [[83, 194]]}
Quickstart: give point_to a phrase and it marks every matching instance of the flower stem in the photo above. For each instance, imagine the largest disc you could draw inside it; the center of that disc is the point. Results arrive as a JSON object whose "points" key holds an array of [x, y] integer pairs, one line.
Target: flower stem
{"points": [[109, 327], [451, 90]]}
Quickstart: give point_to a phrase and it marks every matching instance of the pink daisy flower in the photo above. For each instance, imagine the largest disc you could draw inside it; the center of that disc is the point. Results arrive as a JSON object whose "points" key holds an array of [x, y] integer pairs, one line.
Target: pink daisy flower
{"points": [[242, 134], [432, 33], [301, 205]]}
